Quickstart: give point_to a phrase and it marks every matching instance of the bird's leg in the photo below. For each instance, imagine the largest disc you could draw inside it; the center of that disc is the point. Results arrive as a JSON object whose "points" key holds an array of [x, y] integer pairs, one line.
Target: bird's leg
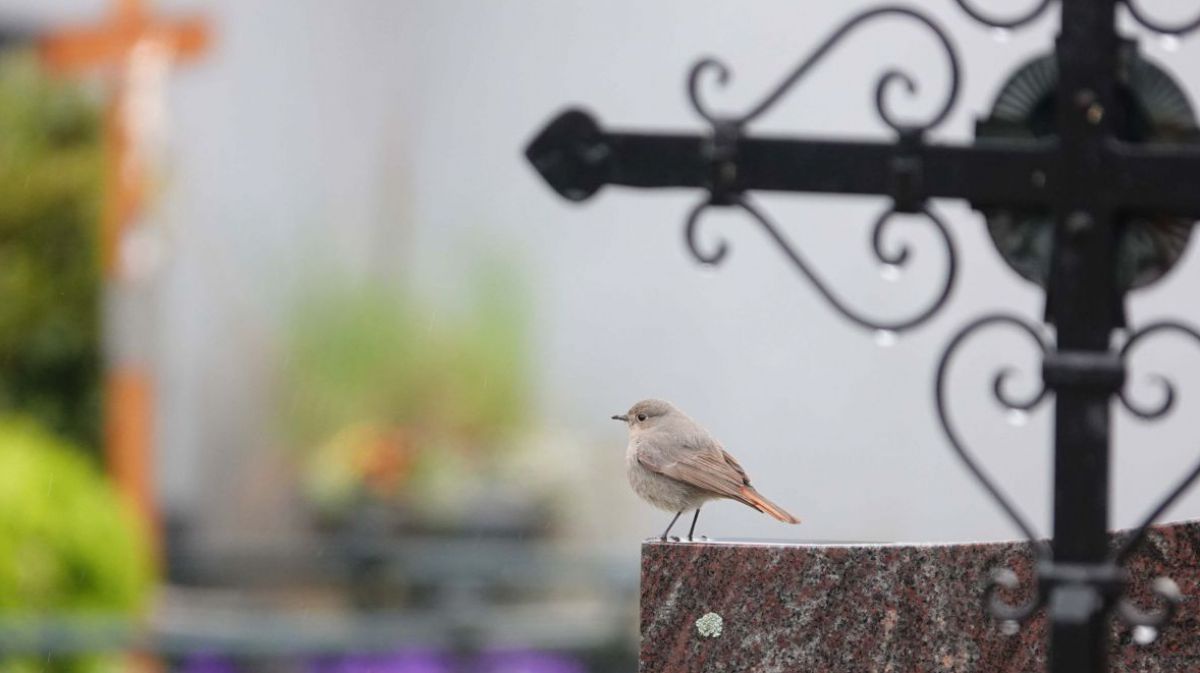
{"points": [[693, 528], [670, 525]]}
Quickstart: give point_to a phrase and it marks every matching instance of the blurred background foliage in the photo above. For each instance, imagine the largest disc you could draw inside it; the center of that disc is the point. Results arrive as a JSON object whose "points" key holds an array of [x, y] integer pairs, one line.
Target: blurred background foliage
{"points": [[396, 401], [51, 173], [408, 420], [67, 544]]}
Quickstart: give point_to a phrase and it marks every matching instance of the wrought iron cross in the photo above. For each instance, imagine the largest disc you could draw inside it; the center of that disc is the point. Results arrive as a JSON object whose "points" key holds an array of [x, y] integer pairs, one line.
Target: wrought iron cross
{"points": [[1086, 171]]}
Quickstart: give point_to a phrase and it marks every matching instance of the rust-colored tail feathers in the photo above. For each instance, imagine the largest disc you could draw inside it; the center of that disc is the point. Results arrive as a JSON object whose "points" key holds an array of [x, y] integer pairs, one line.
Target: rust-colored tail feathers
{"points": [[754, 499]]}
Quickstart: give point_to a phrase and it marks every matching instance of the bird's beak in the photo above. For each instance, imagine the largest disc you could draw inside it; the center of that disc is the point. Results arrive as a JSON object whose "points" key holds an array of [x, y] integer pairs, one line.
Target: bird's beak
{"points": [[621, 417]]}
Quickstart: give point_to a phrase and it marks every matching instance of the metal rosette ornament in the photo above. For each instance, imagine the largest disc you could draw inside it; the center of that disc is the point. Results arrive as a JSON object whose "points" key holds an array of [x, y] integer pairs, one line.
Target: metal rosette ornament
{"points": [[1154, 108]]}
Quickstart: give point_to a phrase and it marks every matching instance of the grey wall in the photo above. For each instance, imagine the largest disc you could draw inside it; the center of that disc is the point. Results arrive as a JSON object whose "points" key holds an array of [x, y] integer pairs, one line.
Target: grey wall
{"points": [[386, 136]]}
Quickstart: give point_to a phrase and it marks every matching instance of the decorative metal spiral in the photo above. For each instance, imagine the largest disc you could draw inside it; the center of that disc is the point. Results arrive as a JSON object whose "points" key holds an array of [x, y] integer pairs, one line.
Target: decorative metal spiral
{"points": [[1155, 412], [1001, 578], [1005, 578], [1139, 534], [898, 257], [1168, 401], [1014, 22], [883, 84], [1157, 26], [1169, 597], [1165, 590], [727, 130], [1004, 399]]}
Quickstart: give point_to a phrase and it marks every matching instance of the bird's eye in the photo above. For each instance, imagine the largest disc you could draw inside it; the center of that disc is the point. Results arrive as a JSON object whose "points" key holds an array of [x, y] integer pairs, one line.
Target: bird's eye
{"points": [[641, 417]]}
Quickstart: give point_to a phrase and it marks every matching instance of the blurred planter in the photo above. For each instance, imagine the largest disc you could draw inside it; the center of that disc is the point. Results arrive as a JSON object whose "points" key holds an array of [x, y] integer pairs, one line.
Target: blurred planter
{"points": [[377, 482], [404, 416]]}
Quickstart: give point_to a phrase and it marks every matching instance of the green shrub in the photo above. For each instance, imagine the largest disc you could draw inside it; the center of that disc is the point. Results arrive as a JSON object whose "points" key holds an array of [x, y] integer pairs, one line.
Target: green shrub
{"points": [[51, 173], [68, 547]]}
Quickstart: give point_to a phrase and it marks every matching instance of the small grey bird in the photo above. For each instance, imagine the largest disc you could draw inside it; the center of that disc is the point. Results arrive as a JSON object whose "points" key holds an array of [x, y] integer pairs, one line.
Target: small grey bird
{"points": [[674, 464]]}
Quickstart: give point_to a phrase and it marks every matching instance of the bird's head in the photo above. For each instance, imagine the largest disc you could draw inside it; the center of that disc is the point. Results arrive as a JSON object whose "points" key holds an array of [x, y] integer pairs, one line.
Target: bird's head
{"points": [[647, 414]]}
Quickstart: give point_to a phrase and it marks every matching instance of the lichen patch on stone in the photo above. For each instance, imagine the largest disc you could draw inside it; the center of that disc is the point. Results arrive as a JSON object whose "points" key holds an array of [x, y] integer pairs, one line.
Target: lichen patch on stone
{"points": [[710, 625]]}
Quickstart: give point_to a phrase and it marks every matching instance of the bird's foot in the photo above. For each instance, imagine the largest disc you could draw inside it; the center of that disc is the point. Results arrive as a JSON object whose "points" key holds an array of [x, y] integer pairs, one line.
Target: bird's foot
{"points": [[674, 538]]}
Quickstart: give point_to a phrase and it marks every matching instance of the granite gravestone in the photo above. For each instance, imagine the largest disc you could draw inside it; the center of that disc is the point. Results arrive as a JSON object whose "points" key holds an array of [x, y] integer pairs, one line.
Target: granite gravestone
{"points": [[881, 608]]}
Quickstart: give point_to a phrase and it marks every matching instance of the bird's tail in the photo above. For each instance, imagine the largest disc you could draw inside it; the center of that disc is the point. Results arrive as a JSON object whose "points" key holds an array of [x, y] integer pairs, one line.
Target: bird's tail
{"points": [[754, 499]]}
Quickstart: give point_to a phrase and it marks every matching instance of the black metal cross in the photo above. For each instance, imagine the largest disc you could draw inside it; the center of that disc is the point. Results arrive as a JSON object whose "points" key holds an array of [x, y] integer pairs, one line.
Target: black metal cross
{"points": [[1103, 154]]}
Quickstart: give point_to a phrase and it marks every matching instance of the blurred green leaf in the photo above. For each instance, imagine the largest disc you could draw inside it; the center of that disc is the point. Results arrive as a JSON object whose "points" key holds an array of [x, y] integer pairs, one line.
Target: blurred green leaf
{"points": [[67, 545], [66, 542], [51, 172]]}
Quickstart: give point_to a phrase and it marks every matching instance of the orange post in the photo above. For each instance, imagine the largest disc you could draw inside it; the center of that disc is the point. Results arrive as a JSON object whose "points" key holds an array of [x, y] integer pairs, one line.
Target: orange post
{"points": [[107, 49], [130, 404]]}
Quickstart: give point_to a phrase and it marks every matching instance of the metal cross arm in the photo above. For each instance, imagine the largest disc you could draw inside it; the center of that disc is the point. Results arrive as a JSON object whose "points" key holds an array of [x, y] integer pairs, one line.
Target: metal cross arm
{"points": [[577, 157], [1147, 177], [1020, 171]]}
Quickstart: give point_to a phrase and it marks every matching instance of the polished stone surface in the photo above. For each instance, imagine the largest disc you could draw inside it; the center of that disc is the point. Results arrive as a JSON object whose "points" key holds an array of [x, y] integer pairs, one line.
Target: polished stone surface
{"points": [[740, 607]]}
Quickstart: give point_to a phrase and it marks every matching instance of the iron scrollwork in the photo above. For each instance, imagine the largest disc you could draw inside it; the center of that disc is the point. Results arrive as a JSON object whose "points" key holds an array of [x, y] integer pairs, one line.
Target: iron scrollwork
{"points": [[1131, 543], [1157, 26], [1005, 24], [1163, 588], [885, 81], [724, 190], [1135, 10], [896, 258], [1001, 578], [1109, 579]]}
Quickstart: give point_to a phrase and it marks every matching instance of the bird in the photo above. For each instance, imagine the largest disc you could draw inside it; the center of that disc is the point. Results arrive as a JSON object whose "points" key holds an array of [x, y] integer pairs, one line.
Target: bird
{"points": [[674, 464]]}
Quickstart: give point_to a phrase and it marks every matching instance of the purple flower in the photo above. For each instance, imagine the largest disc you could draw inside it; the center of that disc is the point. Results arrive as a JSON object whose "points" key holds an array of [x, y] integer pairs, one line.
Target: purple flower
{"points": [[518, 661], [207, 662], [399, 662]]}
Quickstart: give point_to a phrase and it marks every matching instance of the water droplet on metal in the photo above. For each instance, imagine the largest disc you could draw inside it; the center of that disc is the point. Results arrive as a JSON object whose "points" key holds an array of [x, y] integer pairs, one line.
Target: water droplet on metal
{"points": [[1169, 42], [1010, 627], [890, 272], [885, 338], [1001, 35], [1144, 635], [1017, 417]]}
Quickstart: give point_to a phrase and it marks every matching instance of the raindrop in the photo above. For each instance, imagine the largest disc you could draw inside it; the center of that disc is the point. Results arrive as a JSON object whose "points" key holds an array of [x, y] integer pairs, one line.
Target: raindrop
{"points": [[1017, 417], [1010, 627], [1001, 35], [885, 338], [1144, 635], [1169, 42], [889, 272]]}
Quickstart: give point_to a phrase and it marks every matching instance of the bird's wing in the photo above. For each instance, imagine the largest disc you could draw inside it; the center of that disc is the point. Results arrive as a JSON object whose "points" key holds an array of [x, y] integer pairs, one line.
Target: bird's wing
{"points": [[695, 460], [734, 464]]}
